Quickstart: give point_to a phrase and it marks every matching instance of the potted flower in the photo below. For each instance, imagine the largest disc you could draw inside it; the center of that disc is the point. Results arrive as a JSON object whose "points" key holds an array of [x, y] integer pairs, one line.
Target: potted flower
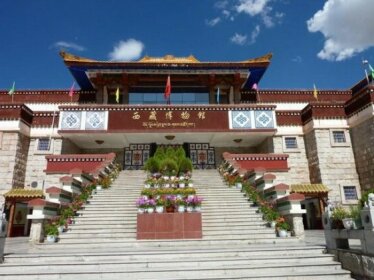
{"points": [[238, 182], [190, 203], [148, 183], [181, 205], [271, 216], [341, 218], [151, 203], [51, 232], [169, 203], [282, 227], [61, 225], [141, 203], [197, 203], [356, 216], [160, 205]]}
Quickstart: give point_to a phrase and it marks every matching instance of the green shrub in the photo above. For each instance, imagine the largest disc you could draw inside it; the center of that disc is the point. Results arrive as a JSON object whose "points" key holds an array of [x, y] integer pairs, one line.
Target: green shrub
{"points": [[169, 167], [185, 165], [152, 165], [364, 197], [50, 229], [340, 213]]}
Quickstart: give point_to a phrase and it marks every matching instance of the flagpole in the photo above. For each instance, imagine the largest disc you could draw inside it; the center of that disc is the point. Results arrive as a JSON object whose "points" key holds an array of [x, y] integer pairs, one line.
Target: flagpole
{"points": [[364, 63]]}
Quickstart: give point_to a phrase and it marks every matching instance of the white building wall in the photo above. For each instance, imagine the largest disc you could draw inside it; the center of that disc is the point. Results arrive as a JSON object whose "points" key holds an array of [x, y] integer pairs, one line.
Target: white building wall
{"points": [[297, 162], [333, 166]]}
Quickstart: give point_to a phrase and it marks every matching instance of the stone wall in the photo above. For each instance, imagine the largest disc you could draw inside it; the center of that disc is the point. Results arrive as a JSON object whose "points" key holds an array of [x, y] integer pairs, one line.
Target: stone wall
{"points": [[19, 171], [297, 162], [333, 166], [312, 156], [8, 151], [363, 146]]}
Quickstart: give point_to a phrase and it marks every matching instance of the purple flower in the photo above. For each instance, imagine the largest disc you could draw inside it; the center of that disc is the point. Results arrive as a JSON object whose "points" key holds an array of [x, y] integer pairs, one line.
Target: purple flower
{"points": [[141, 202]]}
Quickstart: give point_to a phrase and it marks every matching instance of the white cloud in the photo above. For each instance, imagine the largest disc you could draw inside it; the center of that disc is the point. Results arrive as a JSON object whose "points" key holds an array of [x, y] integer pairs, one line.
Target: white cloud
{"points": [[252, 7], [348, 28], [221, 4], [68, 45], [213, 21], [127, 50], [297, 59], [257, 8], [239, 39], [254, 34]]}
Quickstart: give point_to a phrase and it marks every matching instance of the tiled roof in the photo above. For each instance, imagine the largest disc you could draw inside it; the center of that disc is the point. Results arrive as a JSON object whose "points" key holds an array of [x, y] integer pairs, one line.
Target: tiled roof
{"points": [[309, 188], [24, 193]]}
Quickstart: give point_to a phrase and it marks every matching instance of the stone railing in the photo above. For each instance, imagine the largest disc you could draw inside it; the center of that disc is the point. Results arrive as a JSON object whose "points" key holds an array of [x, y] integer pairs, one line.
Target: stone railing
{"points": [[288, 205], [58, 197], [359, 262]]}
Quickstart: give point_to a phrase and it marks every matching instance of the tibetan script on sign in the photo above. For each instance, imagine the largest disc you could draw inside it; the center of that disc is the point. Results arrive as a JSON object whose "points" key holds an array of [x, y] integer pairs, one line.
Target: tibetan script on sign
{"points": [[169, 119]]}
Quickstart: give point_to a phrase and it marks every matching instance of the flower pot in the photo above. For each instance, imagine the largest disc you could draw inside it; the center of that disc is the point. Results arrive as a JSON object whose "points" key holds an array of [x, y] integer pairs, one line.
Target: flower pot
{"points": [[150, 210], [190, 185], [182, 185], [166, 185], [181, 178], [238, 185], [272, 224], [166, 177], [141, 210], [159, 209], [61, 229], [51, 238], [147, 186], [170, 209], [282, 233], [337, 224], [181, 208], [189, 209], [348, 223], [172, 178], [99, 187], [197, 208]]}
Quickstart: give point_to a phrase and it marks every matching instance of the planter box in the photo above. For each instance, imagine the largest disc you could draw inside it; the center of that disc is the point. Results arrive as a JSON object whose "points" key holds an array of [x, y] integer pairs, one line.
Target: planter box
{"points": [[169, 226]]}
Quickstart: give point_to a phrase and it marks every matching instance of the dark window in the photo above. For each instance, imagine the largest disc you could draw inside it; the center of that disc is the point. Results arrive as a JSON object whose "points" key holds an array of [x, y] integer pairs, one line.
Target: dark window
{"points": [[339, 136], [350, 192], [290, 142], [43, 144], [175, 98]]}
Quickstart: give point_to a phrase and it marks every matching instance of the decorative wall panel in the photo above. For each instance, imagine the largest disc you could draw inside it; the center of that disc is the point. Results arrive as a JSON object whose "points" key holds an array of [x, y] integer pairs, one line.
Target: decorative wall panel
{"points": [[83, 120], [202, 155]]}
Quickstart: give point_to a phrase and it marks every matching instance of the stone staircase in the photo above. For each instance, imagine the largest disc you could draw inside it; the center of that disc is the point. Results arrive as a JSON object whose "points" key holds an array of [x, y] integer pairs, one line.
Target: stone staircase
{"points": [[236, 244]]}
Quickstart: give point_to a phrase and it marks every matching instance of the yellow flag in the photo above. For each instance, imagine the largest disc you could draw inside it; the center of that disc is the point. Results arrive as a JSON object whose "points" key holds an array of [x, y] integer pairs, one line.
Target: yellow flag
{"points": [[117, 95], [315, 92]]}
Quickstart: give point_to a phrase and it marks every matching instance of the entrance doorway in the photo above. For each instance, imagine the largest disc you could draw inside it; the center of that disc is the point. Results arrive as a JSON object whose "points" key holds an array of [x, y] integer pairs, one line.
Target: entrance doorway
{"points": [[201, 154]]}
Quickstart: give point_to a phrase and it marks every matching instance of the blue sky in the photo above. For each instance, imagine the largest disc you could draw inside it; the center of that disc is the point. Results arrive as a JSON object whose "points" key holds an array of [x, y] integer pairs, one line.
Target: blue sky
{"points": [[313, 41]]}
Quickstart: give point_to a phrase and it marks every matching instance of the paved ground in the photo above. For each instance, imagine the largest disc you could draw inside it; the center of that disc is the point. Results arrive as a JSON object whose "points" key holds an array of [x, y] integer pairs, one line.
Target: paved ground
{"points": [[22, 245]]}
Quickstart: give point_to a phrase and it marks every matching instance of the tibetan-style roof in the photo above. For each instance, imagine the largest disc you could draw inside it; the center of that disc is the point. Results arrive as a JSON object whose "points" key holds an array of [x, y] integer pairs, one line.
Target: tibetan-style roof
{"points": [[309, 188], [24, 193], [169, 59], [67, 57], [91, 73]]}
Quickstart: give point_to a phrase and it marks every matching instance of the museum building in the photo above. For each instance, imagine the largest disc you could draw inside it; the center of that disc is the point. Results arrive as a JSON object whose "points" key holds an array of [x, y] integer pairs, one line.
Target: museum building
{"points": [[318, 142]]}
